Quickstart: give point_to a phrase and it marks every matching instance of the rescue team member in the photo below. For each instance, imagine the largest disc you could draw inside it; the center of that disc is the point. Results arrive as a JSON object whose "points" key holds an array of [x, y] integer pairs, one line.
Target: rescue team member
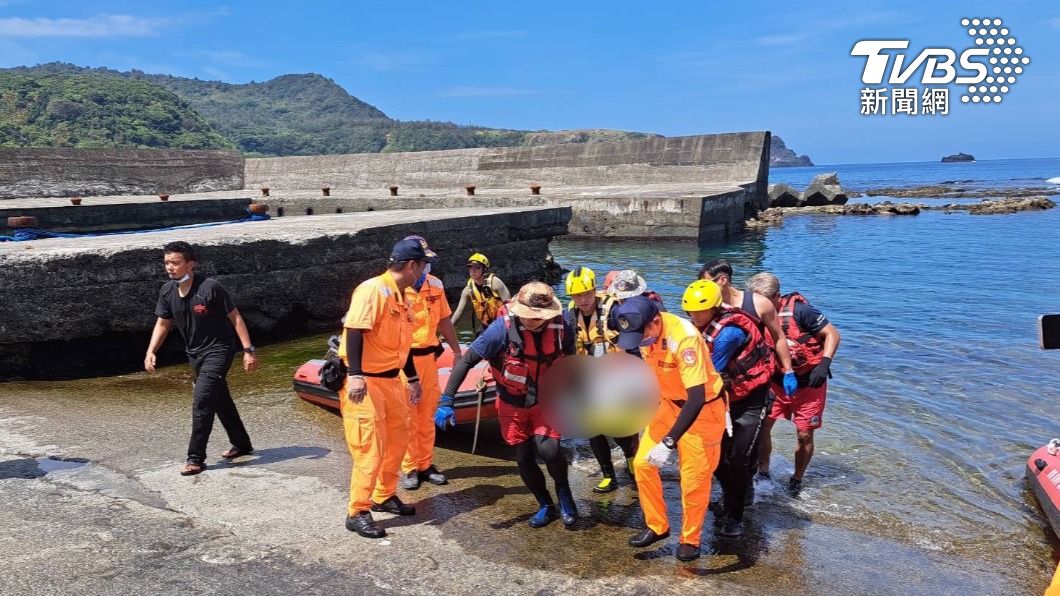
{"points": [[486, 292], [205, 314], [813, 341], [525, 339], [588, 315], [375, 346], [739, 351], [627, 284], [690, 419], [430, 315], [720, 272]]}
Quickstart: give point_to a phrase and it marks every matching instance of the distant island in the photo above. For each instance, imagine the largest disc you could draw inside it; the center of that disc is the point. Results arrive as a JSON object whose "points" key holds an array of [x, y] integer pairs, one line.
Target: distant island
{"points": [[64, 105], [958, 157], [782, 157]]}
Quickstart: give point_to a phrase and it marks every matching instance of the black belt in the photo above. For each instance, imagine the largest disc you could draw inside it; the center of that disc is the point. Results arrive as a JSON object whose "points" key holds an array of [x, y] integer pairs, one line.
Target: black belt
{"points": [[435, 349], [386, 374]]}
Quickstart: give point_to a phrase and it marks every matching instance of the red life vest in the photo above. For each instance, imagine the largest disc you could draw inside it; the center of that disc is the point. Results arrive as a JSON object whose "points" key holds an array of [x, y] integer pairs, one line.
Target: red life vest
{"points": [[806, 350], [754, 363], [518, 369]]}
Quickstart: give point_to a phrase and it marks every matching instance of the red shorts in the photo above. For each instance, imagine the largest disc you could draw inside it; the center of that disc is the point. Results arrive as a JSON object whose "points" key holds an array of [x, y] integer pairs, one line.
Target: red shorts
{"points": [[805, 408], [522, 424]]}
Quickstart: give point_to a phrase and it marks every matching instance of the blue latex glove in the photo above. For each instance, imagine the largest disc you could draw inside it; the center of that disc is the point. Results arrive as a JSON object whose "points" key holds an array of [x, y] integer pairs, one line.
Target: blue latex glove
{"points": [[445, 415], [791, 384]]}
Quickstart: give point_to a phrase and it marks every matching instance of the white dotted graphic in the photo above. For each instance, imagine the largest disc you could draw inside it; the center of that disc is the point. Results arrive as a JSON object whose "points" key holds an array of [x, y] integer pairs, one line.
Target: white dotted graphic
{"points": [[989, 32]]}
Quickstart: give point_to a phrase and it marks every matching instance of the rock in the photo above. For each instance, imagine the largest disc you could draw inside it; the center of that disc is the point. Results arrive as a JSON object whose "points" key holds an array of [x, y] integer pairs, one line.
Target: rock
{"points": [[957, 157], [783, 195], [769, 217], [1011, 206], [899, 209], [824, 189], [782, 157]]}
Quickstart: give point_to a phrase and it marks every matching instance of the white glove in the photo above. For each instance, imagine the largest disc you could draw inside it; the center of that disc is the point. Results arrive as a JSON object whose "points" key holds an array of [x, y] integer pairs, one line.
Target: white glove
{"points": [[659, 455]]}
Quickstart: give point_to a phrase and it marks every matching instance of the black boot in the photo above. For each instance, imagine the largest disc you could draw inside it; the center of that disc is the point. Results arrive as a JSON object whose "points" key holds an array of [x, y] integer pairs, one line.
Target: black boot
{"points": [[647, 537], [394, 505], [363, 524], [687, 552]]}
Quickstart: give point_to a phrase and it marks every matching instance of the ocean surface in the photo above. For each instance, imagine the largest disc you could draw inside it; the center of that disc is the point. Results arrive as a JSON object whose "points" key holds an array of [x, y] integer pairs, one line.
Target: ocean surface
{"points": [[940, 390]]}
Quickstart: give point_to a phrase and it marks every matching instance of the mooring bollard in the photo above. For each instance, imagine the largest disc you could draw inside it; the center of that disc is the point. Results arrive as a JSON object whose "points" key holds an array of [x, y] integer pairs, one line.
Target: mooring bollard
{"points": [[470, 190], [75, 200], [393, 191], [164, 197], [535, 189], [22, 221], [326, 190], [264, 191]]}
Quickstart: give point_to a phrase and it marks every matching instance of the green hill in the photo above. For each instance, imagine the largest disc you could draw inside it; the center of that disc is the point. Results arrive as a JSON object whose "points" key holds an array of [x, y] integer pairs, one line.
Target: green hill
{"points": [[83, 110], [308, 114]]}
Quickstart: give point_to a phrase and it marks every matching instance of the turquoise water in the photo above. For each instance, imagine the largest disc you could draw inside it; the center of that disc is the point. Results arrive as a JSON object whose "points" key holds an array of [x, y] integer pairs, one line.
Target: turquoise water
{"points": [[940, 391]]}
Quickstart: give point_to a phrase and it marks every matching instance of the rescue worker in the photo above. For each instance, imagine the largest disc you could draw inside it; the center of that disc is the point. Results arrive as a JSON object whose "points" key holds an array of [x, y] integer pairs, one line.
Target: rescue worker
{"points": [[626, 284], [527, 337], [375, 347], [430, 315], [745, 360], [720, 272], [812, 340], [690, 419], [588, 315], [484, 290]]}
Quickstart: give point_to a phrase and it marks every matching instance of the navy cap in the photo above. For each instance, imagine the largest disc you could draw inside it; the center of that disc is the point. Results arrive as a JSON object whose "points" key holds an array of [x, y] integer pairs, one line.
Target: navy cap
{"points": [[631, 318], [413, 248]]}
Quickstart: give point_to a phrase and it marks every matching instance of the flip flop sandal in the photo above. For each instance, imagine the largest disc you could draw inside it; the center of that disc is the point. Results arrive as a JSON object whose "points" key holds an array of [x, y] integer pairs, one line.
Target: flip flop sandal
{"points": [[191, 469], [234, 452]]}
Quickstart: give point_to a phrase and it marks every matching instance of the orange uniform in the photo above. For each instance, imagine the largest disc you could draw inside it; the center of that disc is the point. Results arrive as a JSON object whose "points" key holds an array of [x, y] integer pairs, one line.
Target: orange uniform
{"points": [[680, 360], [377, 428], [429, 307]]}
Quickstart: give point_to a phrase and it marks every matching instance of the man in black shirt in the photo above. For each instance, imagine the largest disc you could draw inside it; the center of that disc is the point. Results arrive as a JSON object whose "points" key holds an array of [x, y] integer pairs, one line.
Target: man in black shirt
{"points": [[206, 316]]}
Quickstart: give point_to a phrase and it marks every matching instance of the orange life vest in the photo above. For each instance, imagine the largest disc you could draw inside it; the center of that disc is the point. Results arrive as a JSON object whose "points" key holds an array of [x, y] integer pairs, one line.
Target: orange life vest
{"points": [[754, 363], [518, 369], [806, 350]]}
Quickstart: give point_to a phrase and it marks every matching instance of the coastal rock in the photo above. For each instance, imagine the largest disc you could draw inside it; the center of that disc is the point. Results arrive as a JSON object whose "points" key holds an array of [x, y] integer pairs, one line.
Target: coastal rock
{"points": [[824, 189], [1011, 206], [896, 209], [949, 190], [958, 157], [783, 195], [768, 217], [781, 157]]}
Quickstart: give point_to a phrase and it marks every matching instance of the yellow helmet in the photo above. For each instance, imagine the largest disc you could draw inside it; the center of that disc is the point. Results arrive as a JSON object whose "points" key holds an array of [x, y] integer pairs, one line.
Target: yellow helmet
{"points": [[480, 259], [581, 279], [701, 295]]}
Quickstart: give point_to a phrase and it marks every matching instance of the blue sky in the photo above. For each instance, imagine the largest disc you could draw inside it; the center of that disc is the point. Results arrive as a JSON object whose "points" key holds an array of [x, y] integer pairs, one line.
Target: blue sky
{"points": [[674, 68]]}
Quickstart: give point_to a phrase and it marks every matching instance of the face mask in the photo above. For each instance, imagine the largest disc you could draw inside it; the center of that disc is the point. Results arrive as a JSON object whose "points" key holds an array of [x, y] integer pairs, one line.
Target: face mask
{"points": [[423, 277], [647, 341]]}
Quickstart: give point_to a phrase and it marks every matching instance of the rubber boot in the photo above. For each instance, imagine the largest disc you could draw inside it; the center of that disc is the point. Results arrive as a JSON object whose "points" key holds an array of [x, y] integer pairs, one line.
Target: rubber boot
{"points": [[543, 517], [568, 510]]}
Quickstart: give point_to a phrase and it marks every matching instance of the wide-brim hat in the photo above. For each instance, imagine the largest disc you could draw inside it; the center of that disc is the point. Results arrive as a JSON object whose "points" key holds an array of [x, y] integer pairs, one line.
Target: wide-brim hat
{"points": [[535, 300], [627, 284]]}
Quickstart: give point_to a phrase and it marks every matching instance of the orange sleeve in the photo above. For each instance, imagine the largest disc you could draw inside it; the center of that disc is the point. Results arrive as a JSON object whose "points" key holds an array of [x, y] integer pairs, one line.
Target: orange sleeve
{"points": [[694, 362], [365, 306]]}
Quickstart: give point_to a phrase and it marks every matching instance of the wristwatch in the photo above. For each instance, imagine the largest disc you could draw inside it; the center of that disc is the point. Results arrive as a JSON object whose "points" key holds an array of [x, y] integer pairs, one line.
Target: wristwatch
{"points": [[249, 350], [669, 442]]}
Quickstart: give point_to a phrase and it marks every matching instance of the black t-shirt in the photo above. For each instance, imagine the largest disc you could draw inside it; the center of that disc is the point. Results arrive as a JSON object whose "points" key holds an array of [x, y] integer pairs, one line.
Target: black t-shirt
{"points": [[201, 316], [809, 319]]}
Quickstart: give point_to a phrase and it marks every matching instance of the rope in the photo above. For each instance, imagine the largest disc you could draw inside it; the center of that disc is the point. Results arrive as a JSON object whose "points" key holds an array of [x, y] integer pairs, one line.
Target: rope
{"points": [[25, 234]]}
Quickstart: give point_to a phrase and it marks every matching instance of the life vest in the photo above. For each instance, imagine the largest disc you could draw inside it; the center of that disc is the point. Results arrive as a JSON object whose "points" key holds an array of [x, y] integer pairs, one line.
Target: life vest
{"points": [[597, 339], [754, 362], [806, 350], [518, 368], [485, 303]]}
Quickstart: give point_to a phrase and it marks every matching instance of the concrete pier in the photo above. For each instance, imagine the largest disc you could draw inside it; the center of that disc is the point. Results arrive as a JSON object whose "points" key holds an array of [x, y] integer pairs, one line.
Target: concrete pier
{"points": [[85, 306]]}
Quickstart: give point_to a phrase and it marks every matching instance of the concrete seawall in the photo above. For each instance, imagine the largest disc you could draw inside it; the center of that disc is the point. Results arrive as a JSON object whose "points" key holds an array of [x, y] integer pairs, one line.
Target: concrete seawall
{"points": [[85, 307], [86, 172]]}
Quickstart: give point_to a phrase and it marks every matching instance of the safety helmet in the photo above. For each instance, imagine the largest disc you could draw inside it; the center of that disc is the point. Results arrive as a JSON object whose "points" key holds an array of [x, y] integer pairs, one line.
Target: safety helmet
{"points": [[480, 259], [701, 295], [581, 279]]}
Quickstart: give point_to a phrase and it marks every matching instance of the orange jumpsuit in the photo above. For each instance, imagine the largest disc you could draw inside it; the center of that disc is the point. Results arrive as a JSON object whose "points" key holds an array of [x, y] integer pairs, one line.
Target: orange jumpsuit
{"points": [[377, 428], [680, 360], [429, 307]]}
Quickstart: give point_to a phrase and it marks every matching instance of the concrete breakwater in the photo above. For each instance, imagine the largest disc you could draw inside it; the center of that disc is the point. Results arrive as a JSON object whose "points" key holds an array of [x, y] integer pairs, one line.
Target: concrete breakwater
{"points": [[84, 307]]}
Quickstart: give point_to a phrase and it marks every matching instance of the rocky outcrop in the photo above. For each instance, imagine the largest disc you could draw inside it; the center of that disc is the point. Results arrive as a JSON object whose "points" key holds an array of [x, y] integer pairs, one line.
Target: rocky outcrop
{"points": [[88, 172], [824, 189], [951, 190], [1010, 206], [781, 157], [958, 157]]}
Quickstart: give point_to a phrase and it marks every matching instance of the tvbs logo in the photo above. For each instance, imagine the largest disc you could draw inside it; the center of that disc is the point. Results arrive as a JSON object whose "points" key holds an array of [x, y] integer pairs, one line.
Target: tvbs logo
{"points": [[988, 67]]}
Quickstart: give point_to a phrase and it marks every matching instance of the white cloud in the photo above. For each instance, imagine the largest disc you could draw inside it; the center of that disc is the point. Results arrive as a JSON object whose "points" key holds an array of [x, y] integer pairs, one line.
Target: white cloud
{"points": [[487, 92], [104, 25], [492, 34], [395, 61]]}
